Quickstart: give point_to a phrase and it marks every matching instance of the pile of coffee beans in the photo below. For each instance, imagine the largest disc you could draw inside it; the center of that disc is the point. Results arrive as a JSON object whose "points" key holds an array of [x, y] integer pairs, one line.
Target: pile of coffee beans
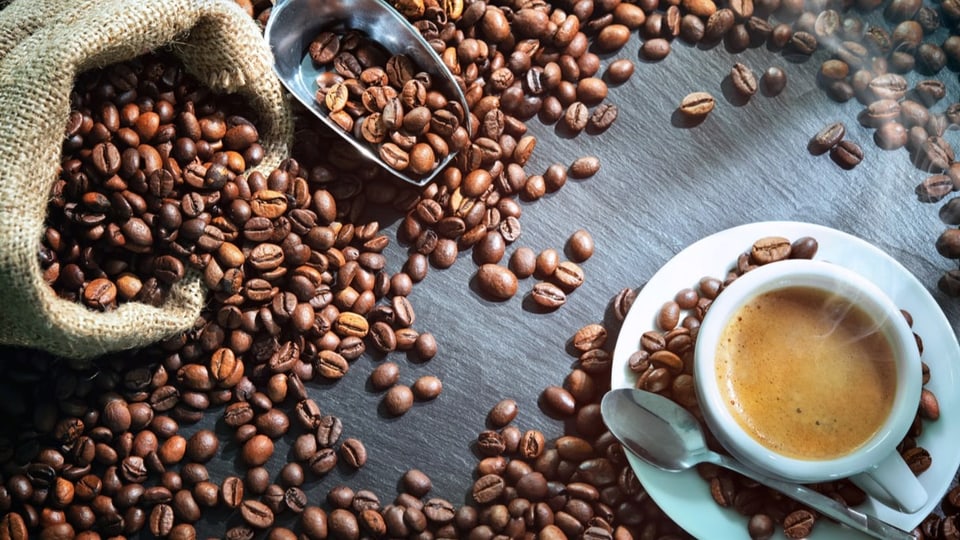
{"points": [[146, 155], [388, 102], [663, 363]]}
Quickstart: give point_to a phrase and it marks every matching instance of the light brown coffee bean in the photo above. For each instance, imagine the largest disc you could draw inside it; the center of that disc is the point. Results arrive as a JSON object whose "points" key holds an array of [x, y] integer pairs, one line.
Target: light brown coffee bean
{"points": [[427, 387], [568, 275], [697, 104], [584, 167], [547, 295], [591, 336], [769, 249], [576, 116]]}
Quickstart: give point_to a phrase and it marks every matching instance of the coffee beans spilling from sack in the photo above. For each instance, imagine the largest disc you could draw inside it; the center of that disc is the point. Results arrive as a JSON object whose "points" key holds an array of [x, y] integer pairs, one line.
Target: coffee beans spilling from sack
{"points": [[147, 153]]}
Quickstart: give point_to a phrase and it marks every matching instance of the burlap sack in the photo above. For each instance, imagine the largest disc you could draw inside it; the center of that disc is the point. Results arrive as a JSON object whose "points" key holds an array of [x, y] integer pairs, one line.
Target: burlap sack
{"points": [[47, 43]]}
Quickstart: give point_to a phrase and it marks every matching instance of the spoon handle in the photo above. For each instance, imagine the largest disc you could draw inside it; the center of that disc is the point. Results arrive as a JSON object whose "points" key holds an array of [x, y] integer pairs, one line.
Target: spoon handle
{"points": [[867, 524]]}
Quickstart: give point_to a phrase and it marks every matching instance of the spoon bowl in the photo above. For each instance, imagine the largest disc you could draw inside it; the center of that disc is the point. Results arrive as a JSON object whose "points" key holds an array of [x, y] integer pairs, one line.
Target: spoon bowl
{"points": [[293, 25], [666, 435]]}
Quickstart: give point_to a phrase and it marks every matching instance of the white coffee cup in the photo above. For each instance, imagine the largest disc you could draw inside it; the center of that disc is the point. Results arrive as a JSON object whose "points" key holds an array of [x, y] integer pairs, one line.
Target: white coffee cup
{"points": [[875, 466]]}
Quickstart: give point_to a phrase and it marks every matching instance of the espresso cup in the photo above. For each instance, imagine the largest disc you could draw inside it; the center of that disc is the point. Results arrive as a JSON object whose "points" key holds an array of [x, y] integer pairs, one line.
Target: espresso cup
{"points": [[809, 372]]}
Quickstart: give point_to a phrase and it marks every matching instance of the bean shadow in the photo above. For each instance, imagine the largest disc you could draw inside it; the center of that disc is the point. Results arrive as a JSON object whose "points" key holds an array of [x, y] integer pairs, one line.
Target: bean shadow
{"points": [[684, 121]]}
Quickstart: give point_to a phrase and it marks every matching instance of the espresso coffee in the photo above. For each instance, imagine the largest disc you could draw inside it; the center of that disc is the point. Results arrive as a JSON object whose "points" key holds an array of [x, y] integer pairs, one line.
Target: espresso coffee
{"points": [[806, 373]]}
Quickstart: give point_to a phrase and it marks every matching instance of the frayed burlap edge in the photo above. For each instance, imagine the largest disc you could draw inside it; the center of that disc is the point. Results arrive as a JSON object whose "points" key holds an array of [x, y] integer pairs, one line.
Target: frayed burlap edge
{"points": [[218, 43]]}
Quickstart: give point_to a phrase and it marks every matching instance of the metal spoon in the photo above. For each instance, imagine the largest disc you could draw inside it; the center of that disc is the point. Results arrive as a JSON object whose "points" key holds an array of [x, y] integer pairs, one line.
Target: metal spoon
{"points": [[293, 24], [665, 435]]}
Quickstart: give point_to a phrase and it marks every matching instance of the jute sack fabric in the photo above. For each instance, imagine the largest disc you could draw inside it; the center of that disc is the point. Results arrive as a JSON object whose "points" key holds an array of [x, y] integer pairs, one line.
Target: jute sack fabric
{"points": [[217, 42]]}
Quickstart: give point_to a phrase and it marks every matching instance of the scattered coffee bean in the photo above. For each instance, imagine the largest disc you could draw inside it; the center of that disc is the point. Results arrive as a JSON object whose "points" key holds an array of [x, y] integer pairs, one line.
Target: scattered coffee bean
{"points": [[655, 49], [826, 138], [353, 453], [427, 387], [847, 154], [584, 167], [697, 104], [497, 282], [743, 79], [774, 80], [398, 400], [580, 246]]}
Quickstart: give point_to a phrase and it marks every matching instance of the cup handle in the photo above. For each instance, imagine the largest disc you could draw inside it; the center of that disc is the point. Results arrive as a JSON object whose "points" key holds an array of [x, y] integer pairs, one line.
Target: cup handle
{"points": [[893, 483]]}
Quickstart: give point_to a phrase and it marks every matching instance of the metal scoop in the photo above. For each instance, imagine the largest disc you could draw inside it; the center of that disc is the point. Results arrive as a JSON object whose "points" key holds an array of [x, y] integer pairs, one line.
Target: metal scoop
{"points": [[293, 24], [665, 435]]}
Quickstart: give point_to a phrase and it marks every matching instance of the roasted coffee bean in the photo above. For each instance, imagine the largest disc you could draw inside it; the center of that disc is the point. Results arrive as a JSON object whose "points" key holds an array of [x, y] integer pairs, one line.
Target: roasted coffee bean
{"points": [[655, 49], [385, 375], [801, 45], [427, 387], [488, 488], [889, 86], [558, 401], [504, 412], [580, 246], [769, 249], [496, 281], [576, 116], [257, 450], [522, 261], [930, 91], [202, 446], [584, 167], [929, 405], [918, 459], [950, 212], [934, 188], [619, 71], [353, 453], [718, 24], [934, 155], [798, 524], [697, 104], [826, 138], [328, 431], [398, 400], [743, 79], [256, 514], [568, 276], [231, 491], [547, 295], [847, 154], [890, 136], [161, 520]]}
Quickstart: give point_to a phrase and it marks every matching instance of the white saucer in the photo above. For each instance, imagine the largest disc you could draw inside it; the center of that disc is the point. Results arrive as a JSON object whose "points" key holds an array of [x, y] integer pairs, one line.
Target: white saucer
{"points": [[684, 496]]}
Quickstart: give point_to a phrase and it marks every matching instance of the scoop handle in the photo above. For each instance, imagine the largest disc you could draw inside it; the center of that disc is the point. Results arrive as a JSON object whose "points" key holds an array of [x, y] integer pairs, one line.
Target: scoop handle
{"points": [[864, 523]]}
